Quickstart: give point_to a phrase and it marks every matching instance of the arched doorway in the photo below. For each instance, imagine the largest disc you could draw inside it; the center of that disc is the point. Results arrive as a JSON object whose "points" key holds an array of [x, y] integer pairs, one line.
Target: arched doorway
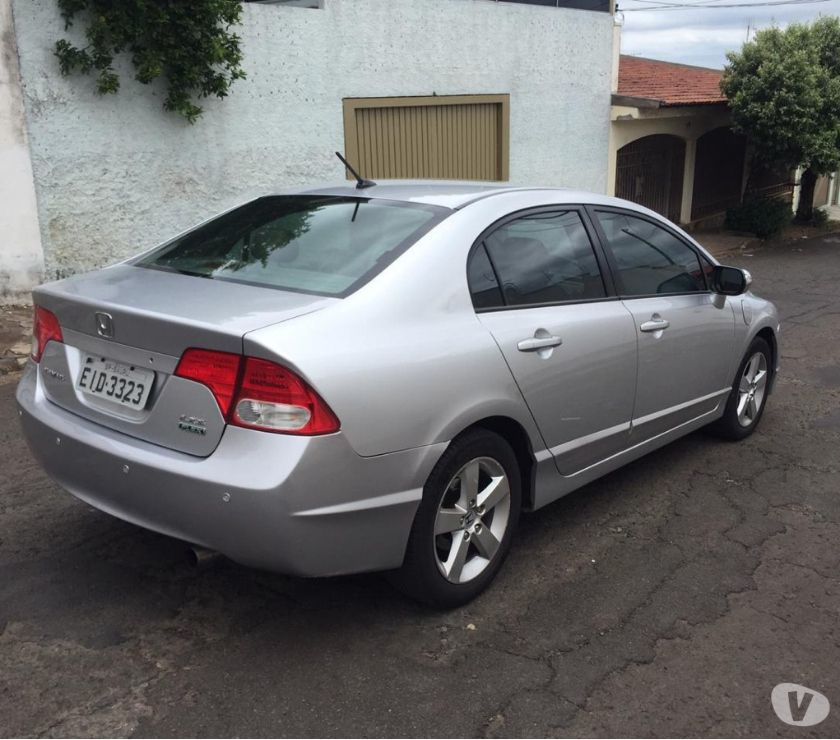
{"points": [[718, 172], [649, 171]]}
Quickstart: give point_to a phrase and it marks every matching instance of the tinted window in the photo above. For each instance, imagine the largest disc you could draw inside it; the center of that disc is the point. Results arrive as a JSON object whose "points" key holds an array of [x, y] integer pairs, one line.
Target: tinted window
{"points": [[648, 259], [484, 287], [545, 258], [708, 269], [323, 245]]}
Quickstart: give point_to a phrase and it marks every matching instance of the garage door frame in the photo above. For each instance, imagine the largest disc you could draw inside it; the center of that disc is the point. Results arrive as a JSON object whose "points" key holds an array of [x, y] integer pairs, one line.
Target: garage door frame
{"points": [[351, 105]]}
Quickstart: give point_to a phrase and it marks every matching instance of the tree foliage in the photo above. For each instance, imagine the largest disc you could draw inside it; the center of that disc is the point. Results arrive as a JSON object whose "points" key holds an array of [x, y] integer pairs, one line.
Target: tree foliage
{"points": [[784, 92], [764, 217], [190, 44]]}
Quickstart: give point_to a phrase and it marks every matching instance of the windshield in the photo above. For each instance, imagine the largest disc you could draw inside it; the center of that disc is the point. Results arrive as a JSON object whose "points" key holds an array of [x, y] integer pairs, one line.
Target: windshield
{"points": [[309, 244]]}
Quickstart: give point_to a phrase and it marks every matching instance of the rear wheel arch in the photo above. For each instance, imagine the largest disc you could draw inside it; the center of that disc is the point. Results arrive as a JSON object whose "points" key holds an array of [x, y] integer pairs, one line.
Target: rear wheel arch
{"points": [[515, 435], [446, 541]]}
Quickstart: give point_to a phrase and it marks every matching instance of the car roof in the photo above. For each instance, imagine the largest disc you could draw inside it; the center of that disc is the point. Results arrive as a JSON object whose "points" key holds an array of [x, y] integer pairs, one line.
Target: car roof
{"points": [[452, 194]]}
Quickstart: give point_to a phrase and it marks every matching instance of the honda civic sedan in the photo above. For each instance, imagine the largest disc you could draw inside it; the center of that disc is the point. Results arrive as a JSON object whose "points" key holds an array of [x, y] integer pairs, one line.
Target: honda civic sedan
{"points": [[383, 377]]}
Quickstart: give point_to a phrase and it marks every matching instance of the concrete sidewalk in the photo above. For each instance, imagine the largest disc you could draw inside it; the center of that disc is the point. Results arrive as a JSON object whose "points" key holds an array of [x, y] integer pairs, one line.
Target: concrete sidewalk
{"points": [[721, 243]]}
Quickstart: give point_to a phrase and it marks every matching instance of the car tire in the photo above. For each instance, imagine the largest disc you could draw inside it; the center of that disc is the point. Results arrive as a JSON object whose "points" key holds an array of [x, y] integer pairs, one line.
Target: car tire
{"points": [[745, 404], [446, 569]]}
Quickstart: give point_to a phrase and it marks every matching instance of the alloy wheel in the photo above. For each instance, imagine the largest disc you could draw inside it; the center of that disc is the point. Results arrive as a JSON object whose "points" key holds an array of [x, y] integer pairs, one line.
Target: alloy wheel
{"points": [[751, 389], [472, 519]]}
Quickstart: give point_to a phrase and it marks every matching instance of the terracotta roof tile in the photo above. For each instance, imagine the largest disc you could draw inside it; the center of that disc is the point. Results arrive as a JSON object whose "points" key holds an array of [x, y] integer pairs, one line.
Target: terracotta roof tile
{"points": [[668, 82]]}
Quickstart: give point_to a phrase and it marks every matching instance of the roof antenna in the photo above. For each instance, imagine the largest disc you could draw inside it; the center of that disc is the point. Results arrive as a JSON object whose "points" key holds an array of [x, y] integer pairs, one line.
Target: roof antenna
{"points": [[361, 183]]}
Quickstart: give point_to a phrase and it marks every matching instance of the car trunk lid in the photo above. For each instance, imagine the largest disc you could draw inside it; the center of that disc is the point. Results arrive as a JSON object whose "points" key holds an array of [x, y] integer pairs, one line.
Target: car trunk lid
{"points": [[136, 322]]}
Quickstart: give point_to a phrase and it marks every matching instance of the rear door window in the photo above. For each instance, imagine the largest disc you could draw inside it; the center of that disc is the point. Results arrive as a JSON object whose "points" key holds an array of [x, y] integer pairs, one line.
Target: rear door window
{"points": [[484, 287], [322, 245], [545, 258], [648, 259]]}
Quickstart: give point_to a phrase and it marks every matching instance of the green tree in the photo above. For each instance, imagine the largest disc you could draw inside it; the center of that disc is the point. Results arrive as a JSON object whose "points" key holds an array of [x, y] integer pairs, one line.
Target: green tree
{"points": [[784, 92], [188, 43]]}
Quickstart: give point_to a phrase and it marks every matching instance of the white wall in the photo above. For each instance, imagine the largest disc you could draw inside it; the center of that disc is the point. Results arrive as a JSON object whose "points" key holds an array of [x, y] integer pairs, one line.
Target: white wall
{"points": [[117, 174], [21, 257]]}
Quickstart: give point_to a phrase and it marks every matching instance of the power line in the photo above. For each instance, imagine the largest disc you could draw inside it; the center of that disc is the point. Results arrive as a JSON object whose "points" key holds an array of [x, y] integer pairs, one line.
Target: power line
{"points": [[713, 5], [716, 3]]}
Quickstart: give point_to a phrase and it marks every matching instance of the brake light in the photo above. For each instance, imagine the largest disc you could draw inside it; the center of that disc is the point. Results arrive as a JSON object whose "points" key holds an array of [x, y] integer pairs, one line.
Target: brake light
{"points": [[45, 327], [219, 371], [258, 394]]}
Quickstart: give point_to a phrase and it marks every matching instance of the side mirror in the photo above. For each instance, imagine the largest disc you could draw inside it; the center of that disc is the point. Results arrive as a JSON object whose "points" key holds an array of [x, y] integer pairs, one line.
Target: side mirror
{"points": [[730, 280]]}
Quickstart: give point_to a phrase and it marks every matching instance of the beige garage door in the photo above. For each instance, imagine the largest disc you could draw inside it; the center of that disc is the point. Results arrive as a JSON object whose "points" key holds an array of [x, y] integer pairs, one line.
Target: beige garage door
{"points": [[457, 137]]}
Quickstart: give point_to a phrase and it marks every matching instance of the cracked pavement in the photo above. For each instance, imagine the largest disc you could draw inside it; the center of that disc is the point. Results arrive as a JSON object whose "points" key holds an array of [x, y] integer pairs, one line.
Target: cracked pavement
{"points": [[665, 599]]}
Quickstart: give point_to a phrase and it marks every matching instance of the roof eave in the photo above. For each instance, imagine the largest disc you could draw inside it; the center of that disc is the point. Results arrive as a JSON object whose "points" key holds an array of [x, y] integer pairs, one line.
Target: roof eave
{"points": [[631, 101], [687, 103]]}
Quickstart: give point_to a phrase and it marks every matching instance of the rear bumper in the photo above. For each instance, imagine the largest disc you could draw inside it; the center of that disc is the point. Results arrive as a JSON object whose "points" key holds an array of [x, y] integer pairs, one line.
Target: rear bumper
{"points": [[305, 506]]}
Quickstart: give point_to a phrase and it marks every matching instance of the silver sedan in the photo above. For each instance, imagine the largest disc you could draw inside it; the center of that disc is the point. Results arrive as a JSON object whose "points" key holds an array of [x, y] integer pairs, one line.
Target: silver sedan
{"points": [[383, 377]]}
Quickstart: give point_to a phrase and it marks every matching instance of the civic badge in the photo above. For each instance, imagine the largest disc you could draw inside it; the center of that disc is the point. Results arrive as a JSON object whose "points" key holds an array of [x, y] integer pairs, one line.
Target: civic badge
{"points": [[105, 325]]}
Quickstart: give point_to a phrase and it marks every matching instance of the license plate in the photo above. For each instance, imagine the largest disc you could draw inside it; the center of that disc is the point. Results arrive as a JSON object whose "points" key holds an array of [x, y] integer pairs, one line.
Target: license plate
{"points": [[125, 385]]}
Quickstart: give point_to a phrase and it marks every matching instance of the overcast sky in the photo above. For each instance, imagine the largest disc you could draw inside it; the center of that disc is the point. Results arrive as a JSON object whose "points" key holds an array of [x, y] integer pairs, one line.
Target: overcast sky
{"points": [[703, 37]]}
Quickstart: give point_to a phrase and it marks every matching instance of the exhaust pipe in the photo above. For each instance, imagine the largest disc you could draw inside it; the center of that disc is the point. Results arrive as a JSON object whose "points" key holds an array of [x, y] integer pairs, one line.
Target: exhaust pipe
{"points": [[201, 557]]}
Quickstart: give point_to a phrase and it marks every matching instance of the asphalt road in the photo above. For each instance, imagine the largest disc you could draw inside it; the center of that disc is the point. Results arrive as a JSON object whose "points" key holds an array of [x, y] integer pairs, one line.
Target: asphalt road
{"points": [[666, 599]]}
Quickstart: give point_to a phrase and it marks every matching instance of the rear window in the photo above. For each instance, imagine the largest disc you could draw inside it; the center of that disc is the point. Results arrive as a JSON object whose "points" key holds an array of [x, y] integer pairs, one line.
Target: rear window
{"points": [[322, 245]]}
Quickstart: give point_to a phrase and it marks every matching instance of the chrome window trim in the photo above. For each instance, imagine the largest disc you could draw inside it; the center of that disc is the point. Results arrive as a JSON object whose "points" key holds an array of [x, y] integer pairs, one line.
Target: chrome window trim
{"points": [[594, 243]]}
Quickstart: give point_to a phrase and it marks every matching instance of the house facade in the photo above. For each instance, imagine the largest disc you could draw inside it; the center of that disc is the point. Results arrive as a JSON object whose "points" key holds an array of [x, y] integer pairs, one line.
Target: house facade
{"points": [[672, 148], [464, 89]]}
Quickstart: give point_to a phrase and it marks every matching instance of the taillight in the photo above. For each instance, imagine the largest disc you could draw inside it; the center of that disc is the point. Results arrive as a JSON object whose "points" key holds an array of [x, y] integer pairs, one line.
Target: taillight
{"points": [[273, 398], [45, 327], [259, 394], [219, 371]]}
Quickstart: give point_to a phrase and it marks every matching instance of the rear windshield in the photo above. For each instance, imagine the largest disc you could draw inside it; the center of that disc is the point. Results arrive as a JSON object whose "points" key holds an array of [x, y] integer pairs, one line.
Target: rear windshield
{"points": [[323, 245]]}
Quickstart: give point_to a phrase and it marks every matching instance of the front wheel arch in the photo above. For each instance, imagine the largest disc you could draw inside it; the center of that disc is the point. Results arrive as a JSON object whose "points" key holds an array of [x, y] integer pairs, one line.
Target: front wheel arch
{"points": [[769, 336], [728, 425]]}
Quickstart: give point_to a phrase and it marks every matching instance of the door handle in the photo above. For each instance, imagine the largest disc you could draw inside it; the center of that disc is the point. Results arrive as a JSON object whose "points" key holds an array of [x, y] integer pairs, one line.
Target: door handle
{"points": [[655, 325], [534, 344]]}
